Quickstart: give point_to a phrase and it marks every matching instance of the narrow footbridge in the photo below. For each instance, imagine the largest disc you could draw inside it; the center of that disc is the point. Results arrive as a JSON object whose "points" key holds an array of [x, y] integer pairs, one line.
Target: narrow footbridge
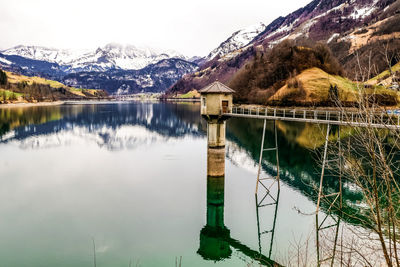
{"points": [[217, 106], [376, 119]]}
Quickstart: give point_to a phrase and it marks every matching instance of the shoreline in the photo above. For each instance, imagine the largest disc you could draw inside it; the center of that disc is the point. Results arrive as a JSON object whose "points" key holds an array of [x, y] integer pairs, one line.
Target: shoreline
{"points": [[52, 103], [180, 99], [38, 104], [246, 106]]}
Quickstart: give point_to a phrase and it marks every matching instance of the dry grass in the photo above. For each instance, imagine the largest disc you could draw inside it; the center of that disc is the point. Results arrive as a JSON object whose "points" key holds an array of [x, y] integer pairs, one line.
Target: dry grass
{"points": [[17, 78], [359, 40], [316, 84], [384, 75]]}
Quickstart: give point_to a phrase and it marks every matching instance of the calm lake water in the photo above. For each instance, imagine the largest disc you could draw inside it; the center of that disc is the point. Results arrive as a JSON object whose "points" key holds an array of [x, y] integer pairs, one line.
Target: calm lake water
{"points": [[132, 177]]}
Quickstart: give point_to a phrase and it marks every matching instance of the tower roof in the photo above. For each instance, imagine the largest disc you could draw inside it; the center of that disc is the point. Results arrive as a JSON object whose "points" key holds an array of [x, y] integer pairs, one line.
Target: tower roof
{"points": [[216, 87]]}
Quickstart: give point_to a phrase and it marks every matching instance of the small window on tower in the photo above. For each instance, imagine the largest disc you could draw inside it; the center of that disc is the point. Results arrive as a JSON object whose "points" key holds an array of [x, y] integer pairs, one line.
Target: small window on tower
{"points": [[204, 102]]}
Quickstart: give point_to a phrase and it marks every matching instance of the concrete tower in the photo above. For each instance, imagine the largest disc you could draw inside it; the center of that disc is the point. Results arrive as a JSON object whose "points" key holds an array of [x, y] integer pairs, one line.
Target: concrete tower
{"points": [[216, 104]]}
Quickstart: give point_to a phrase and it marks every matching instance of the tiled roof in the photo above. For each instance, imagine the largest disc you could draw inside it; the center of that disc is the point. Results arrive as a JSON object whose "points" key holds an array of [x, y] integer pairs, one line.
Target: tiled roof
{"points": [[216, 87]]}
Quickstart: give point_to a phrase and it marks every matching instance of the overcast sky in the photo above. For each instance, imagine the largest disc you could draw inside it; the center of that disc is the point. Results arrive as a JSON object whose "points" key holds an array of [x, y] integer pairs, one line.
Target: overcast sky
{"points": [[192, 27]]}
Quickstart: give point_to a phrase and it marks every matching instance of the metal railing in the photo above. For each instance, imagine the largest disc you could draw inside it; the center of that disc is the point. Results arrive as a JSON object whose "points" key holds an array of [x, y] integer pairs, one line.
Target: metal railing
{"points": [[351, 118]]}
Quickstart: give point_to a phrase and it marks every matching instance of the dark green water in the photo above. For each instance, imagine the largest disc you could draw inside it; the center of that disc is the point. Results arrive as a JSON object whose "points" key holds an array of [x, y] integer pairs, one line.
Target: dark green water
{"points": [[132, 177]]}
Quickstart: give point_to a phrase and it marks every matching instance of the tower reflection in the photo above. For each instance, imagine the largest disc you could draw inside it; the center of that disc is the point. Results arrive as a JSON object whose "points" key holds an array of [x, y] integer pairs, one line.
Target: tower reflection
{"points": [[216, 243], [214, 237]]}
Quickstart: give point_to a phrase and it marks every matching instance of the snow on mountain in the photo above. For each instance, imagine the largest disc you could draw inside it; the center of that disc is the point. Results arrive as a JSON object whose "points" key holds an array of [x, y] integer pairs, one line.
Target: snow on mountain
{"points": [[238, 40], [320, 19], [119, 56], [153, 78], [5, 61], [53, 55], [346, 26], [111, 56]]}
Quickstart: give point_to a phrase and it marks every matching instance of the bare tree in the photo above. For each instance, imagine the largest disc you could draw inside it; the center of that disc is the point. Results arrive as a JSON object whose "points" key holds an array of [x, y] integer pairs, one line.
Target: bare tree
{"points": [[370, 162]]}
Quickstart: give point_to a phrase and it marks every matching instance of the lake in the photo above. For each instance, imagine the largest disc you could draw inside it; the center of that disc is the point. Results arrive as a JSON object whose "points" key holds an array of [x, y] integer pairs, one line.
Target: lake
{"points": [[130, 178]]}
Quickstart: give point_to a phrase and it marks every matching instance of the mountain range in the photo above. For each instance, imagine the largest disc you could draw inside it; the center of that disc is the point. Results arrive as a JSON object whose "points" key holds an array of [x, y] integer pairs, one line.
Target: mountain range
{"points": [[120, 69], [356, 31], [111, 56]]}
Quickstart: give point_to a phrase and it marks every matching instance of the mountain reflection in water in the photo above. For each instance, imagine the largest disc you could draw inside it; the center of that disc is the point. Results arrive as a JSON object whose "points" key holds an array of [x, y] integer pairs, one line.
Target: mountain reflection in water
{"points": [[135, 133], [109, 125], [126, 126]]}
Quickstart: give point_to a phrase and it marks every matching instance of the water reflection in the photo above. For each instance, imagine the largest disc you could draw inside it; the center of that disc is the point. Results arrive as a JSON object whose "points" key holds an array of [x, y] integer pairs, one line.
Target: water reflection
{"points": [[216, 242], [105, 156], [299, 165], [130, 125], [108, 125], [214, 237]]}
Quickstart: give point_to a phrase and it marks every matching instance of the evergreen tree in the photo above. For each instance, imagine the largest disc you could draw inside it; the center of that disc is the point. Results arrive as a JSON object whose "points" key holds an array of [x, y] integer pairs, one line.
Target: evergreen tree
{"points": [[4, 96], [3, 78], [13, 97]]}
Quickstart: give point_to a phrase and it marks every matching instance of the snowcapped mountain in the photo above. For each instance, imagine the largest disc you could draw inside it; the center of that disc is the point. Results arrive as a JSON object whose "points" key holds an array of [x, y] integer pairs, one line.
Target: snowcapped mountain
{"points": [[53, 55], [353, 29], [117, 56], [153, 78], [320, 19], [237, 40], [111, 56], [119, 69]]}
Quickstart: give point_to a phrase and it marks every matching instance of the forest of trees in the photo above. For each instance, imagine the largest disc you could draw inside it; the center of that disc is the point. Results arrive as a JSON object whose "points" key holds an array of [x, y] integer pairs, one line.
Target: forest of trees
{"points": [[271, 70]]}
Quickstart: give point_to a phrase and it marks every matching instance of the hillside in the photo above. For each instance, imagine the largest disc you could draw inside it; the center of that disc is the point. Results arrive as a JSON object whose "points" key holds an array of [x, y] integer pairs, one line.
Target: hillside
{"points": [[389, 77], [313, 87], [360, 33], [20, 88]]}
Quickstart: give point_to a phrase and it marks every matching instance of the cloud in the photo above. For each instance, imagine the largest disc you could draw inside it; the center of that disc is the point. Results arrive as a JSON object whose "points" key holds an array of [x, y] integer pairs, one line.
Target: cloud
{"points": [[190, 27]]}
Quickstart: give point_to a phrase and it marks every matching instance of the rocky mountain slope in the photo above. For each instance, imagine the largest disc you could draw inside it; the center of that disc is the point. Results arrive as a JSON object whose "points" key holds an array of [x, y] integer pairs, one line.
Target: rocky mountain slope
{"points": [[357, 31], [116, 68], [237, 41], [153, 78]]}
